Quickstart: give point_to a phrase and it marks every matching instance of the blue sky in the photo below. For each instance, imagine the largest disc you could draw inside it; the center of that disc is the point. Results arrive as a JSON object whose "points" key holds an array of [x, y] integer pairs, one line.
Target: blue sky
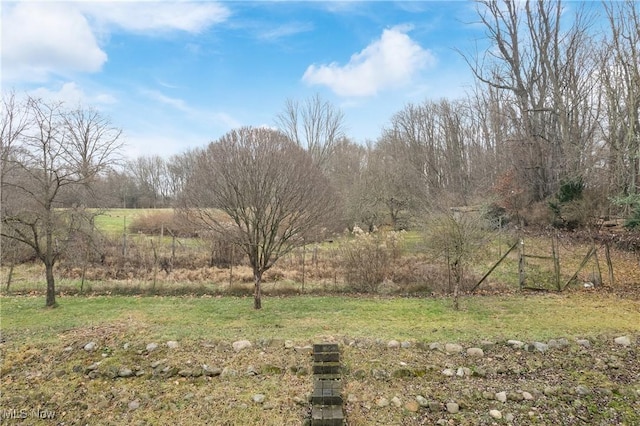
{"points": [[177, 75]]}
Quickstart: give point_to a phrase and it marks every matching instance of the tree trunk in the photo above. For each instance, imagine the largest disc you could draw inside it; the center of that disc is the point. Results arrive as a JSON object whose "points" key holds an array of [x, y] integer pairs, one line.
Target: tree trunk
{"points": [[257, 291], [51, 287]]}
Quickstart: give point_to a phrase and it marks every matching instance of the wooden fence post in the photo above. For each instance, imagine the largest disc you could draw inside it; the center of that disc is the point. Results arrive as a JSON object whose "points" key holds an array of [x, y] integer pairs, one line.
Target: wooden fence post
{"points": [[521, 274]]}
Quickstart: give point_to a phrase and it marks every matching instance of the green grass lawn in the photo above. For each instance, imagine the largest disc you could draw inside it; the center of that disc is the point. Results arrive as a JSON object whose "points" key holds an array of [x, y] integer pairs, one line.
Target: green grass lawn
{"points": [[115, 221], [525, 317]]}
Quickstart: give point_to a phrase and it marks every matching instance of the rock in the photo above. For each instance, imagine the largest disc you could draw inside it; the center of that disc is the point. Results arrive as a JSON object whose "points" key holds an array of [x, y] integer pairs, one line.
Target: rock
{"points": [[435, 347], [487, 344], [393, 344], [584, 343], [405, 345], [185, 372], [92, 367], [380, 374], [352, 398], [396, 402], [558, 344], [527, 396], [452, 407], [516, 344], [211, 371], [550, 391], [172, 344], [306, 350], [251, 371], [152, 347], [134, 405], [126, 346], [452, 348], [125, 372], [475, 352], [158, 363], [442, 422], [448, 372], [501, 396], [91, 346], [496, 414], [463, 371], [258, 398], [515, 396], [412, 406], [541, 347], [479, 372], [300, 401], [582, 390], [228, 372], [422, 401], [288, 344], [488, 395], [382, 402], [509, 417], [622, 341], [434, 406], [241, 345]]}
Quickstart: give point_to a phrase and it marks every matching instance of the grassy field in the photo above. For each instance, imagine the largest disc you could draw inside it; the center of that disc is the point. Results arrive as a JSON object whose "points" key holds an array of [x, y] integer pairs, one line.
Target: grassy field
{"points": [[114, 222], [308, 318]]}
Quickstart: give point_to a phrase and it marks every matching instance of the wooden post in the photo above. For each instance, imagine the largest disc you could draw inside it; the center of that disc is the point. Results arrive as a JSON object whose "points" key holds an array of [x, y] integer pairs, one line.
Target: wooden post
{"points": [[556, 262], [124, 238], [304, 252], [231, 267], [155, 264], [173, 248], [521, 274], [599, 276], [609, 263]]}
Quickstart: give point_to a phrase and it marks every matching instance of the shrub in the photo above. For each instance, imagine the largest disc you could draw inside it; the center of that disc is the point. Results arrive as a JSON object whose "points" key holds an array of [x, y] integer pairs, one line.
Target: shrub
{"points": [[568, 206], [366, 260], [163, 221]]}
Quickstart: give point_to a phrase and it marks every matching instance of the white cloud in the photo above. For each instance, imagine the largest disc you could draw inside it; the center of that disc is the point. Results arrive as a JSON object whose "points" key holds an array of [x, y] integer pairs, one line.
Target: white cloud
{"points": [[176, 103], [285, 30], [389, 62], [142, 16], [198, 115], [72, 96], [40, 39], [43, 38]]}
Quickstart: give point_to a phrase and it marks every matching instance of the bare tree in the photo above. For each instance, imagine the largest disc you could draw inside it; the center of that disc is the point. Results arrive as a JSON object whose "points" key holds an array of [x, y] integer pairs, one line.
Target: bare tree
{"points": [[456, 237], [152, 179], [545, 66], [49, 160], [261, 191], [315, 124], [621, 86]]}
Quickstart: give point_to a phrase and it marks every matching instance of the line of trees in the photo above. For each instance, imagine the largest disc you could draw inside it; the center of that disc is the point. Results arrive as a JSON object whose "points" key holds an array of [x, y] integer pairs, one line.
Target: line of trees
{"points": [[551, 127]]}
